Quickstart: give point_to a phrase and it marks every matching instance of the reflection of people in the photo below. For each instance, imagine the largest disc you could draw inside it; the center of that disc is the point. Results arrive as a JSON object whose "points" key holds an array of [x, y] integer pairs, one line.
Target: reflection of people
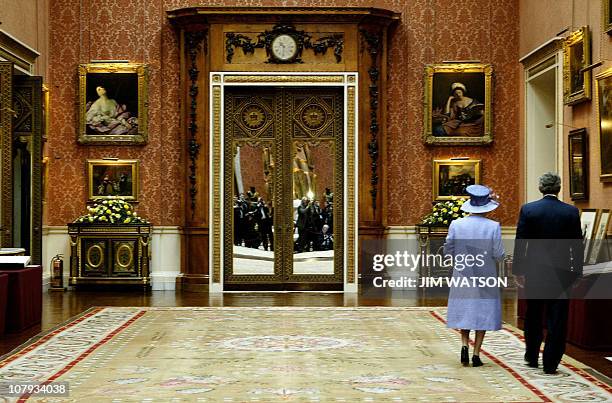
{"points": [[328, 238], [474, 308], [253, 222], [106, 116], [462, 115], [252, 195], [239, 213], [314, 225], [301, 225], [329, 196], [548, 258], [268, 170], [303, 172], [265, 221]]}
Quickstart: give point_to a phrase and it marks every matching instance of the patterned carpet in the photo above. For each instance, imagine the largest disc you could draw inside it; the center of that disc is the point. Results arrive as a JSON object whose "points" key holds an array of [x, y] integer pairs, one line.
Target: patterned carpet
{"points": [[285, 354]]}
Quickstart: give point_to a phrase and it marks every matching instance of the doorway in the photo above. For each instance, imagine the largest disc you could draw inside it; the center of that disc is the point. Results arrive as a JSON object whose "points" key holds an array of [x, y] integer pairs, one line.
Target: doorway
{"points": [[283, 188], [544, 127]]}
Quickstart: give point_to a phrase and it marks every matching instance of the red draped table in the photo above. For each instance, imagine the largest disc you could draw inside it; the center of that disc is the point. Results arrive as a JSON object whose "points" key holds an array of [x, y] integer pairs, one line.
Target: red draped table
{"points": [[24, 297], [588, 324], [3, 297]]}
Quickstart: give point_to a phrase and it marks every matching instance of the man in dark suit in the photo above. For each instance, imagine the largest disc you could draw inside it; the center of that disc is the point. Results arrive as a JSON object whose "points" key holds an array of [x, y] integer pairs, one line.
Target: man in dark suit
{"points": [[548, 257], [301, 223]]}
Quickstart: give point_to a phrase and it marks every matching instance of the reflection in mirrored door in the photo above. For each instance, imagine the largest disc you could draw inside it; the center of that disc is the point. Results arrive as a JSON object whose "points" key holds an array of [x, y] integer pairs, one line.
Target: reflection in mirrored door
{"points": [[315, 154], [283, 180], [313, 192], [253, 209]]}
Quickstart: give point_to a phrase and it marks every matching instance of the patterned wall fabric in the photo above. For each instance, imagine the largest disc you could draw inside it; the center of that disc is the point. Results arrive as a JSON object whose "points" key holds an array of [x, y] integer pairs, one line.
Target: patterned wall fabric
{"points": [[252, 167], [431, 31]]}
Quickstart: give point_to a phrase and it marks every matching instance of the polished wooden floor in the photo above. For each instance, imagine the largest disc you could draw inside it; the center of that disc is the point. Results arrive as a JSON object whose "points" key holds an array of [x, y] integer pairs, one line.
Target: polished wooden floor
{"points": [[59, 307]]}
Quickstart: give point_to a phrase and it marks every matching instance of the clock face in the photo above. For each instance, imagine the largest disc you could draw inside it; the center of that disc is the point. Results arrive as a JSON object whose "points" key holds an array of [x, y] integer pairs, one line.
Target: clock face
{"points": [[284, 47]]}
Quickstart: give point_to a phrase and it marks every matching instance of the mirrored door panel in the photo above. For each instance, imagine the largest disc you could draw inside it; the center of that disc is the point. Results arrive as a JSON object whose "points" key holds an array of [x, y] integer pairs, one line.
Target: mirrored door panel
{"points": [[313, 200], [251, 185], [253, 209], [283, 178]]}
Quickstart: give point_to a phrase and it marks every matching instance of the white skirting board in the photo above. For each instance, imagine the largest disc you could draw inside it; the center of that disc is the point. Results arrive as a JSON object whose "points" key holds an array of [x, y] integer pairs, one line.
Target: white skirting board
{"points": [[165, 254], [166, 251]]}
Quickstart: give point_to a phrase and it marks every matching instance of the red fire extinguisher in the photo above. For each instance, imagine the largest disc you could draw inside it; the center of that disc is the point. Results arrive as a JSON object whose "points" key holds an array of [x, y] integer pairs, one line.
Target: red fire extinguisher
{"points": [[57, 273]]}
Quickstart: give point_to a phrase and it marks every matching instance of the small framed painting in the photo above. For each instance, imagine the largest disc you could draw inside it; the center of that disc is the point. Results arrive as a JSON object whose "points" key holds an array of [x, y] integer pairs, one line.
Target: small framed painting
{"points": [[603, 88], [112, 103], [577, 56], [578, 164], [588, 219], [606, 13], [111, 178], [599, 236], [452, 176]]}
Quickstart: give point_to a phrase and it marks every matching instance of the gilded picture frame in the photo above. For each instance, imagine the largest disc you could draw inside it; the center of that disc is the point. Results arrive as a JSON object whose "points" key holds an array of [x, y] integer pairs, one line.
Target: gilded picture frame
{"points": [[45, 178], [452, 176], [603, 96], [600, 232], [588, 221], [606, 13], [577, 56], [454, 117], [113, 103], [578, 164], [107, 179]]}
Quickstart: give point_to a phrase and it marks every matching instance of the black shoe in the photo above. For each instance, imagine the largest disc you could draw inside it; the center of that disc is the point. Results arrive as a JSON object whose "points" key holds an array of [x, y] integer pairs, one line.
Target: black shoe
{"points": [[465, 356], [476, 361], [531, 363], [550, 371]]}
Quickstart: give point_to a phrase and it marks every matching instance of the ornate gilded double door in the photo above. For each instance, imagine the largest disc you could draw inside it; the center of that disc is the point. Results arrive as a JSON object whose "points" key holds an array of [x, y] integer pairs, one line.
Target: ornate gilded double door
{"points": [[283, 188]]}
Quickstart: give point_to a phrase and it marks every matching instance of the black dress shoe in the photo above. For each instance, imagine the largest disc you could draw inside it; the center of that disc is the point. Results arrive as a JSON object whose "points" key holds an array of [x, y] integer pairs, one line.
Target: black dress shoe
{"points": [[476, 361], [465, 356], [530, 363], [549, 371]]}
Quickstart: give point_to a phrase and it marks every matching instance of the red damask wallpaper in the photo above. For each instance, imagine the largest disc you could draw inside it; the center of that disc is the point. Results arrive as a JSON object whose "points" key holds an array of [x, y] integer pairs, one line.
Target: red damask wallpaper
{"points": [[252, 168], [431, 31]]}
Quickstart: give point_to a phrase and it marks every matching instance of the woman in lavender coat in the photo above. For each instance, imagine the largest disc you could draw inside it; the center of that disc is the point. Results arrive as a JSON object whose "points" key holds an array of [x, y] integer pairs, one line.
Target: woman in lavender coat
{"points": [[474, 306]]}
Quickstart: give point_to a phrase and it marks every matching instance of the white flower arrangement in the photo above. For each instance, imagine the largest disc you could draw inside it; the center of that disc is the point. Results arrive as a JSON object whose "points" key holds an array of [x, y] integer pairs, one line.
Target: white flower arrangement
{"points": [[113, 210], [445, 211]]}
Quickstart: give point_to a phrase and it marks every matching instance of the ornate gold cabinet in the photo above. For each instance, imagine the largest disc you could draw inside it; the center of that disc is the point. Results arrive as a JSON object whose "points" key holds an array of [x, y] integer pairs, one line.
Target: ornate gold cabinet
{"points": [[109, 254], [431, 242]]}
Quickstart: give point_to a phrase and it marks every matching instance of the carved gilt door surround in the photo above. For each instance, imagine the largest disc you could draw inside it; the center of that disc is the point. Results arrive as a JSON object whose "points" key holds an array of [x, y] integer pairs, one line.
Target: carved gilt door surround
{"points": [[346, 47], [289, 86]]}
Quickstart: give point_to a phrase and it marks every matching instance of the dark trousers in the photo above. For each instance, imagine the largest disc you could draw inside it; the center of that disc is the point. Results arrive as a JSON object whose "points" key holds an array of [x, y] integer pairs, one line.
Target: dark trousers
{"points": [[556, 330]]}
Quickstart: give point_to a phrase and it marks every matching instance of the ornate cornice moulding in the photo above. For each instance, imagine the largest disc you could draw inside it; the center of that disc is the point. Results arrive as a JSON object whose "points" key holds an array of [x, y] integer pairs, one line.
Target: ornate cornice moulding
{"points": [[13, 50], [339, 14]]}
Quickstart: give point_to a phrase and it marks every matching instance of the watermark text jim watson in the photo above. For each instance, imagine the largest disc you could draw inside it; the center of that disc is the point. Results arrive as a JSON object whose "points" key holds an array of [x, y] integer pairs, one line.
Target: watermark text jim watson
{"points": [[403, 260]]}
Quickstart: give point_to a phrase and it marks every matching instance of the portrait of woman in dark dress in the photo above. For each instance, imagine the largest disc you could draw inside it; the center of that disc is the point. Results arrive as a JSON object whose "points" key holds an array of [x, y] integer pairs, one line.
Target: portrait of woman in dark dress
{"points": [[461, 116]]}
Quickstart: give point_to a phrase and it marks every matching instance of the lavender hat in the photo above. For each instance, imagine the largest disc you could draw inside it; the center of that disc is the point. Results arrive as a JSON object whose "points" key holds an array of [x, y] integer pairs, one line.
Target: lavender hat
{"points": [[480, 200]]}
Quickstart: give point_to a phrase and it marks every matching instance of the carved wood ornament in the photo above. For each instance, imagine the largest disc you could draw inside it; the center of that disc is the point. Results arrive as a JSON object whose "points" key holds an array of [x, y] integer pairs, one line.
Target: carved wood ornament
{"points": [[265, 39], [193, 42], [374, 47]]}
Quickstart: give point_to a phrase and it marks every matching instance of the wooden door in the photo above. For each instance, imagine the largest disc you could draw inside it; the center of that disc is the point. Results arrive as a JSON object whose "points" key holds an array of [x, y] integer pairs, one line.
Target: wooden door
{"points": [[283, 145]]}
